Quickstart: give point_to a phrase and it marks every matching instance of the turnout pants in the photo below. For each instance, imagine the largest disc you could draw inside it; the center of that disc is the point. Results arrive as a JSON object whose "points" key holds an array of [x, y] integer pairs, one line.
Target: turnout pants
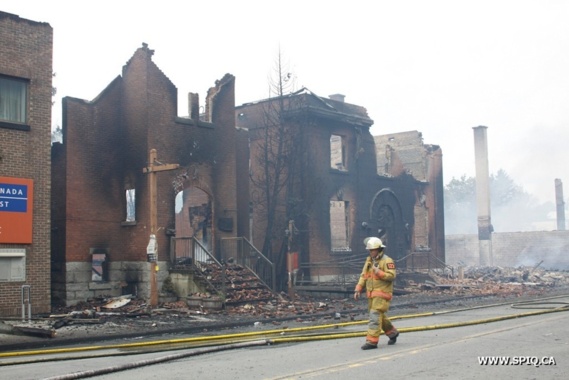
{"points": [[378, 320]]}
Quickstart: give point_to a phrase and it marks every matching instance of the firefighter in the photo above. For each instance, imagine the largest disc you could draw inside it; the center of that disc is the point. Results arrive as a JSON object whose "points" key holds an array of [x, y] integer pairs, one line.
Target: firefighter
{"points": [[377, 279]]}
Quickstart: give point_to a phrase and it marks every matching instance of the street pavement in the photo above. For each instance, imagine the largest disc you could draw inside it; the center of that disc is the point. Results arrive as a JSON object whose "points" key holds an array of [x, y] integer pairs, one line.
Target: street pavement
{"points": [[482, 342]]}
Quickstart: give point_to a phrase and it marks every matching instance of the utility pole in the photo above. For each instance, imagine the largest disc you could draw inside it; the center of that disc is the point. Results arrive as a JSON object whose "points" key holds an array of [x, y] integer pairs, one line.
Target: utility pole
{"points": [[154, 166], [292, 260]]}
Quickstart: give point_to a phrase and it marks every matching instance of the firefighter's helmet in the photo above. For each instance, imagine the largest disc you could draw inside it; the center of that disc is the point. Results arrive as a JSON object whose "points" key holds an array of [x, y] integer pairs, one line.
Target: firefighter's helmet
{"points": [[373, 243]]}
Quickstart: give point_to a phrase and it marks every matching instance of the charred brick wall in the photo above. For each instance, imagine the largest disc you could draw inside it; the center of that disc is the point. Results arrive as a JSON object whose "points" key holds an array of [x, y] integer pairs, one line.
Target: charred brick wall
{"points": [[107, 143], [26, 49], [405, 153], [58, 212], [319, 183], [242, 156], [354, 186]]}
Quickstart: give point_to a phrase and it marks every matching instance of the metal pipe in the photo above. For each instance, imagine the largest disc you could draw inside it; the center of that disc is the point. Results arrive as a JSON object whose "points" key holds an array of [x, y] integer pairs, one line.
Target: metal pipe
{"points": [[26, 301]]}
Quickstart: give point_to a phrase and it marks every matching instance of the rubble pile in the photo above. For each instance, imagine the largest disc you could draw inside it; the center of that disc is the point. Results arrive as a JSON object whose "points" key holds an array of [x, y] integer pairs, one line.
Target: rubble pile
{"points": [[248, 300], [282, 307], [238, 284], [495, 280], [247, 296]]}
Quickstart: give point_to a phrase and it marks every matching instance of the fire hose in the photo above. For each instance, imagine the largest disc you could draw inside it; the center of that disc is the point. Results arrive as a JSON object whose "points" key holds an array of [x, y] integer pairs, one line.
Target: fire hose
{"points": [[251, 339]]}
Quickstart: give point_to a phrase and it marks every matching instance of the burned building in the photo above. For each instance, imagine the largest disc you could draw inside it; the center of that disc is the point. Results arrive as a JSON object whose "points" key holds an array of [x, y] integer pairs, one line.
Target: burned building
{"points": [[140, 192], [338, 185], [26, 50], [405, 153], [105, 206]]}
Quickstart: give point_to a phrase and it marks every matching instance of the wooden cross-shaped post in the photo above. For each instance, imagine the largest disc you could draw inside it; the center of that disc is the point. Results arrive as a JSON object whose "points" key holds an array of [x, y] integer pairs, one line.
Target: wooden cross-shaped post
{"points": [[154, 166]]}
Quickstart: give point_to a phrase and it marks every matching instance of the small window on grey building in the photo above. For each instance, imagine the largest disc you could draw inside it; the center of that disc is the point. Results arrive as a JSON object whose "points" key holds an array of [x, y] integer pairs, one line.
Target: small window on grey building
{"points": [[13, 100], [130, 205], [337, 153], [12, 264], [339, 225]]}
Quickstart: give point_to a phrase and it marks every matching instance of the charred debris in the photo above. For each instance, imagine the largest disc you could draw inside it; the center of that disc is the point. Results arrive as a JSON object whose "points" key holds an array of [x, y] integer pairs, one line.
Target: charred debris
{"points": [[247, 299]]}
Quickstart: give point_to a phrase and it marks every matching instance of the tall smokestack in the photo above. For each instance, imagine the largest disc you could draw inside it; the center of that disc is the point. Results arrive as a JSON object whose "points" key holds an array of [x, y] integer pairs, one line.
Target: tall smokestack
{"points": [[483, 196], [560, 205]]}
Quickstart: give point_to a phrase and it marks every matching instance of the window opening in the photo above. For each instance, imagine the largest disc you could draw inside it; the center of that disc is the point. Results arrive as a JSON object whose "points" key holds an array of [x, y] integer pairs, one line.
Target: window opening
{"points": [[339, 225], [99, 265], [337, 153], [193, 208], [130, 205], [13, 100]]}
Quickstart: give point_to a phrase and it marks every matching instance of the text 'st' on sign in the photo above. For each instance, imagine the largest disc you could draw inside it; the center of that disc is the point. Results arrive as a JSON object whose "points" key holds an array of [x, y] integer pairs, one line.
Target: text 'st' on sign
{"points": [[16, 210]]}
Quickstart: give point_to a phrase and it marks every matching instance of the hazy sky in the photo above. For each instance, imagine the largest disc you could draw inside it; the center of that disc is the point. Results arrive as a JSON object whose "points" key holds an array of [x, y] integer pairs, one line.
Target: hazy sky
{"points": [[440, 67]]}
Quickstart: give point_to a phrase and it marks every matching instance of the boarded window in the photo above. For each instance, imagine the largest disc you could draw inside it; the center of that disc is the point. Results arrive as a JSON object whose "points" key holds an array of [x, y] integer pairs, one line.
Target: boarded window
{"points": [[99, 264], [12, 264], [339, 225]]}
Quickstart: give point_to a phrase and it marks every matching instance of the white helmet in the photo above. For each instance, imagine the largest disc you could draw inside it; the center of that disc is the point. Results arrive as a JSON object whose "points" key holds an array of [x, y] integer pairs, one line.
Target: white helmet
{"points": [[373, 243]]}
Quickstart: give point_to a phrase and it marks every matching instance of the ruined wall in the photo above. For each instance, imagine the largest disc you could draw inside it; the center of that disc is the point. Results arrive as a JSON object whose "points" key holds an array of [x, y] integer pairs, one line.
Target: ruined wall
{"points": [[314, 121], [242, 158], [26, 49], [59, 207], [405, 153], [107, 143], [351, 185], [389, 186], [513, 249]]}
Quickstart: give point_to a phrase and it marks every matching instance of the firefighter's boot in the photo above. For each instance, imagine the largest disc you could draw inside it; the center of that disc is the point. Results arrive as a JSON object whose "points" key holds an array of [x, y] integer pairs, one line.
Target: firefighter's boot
{"points": [[393, 339], [369, 346]]}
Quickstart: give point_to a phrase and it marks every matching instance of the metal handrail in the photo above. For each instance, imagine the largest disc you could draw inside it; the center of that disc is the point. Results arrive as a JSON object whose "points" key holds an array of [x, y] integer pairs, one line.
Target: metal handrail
{"points": [[248, 256], [196, 256], [196, 252], [347, 270], [430, 257]]}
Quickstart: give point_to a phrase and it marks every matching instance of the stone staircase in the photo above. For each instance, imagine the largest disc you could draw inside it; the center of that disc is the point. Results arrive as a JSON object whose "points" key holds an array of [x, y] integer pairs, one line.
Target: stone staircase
{"points": [[239, 284]]}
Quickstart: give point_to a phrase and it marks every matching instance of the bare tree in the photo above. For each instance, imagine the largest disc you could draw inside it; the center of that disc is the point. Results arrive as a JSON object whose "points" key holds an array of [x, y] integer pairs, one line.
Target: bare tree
{"points": [[283, 187], [274, 144], [57, 135]]}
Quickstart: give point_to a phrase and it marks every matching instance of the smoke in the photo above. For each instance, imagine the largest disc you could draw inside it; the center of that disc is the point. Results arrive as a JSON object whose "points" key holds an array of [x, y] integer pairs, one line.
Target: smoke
{"points": [[534, 159], [550, 252]]}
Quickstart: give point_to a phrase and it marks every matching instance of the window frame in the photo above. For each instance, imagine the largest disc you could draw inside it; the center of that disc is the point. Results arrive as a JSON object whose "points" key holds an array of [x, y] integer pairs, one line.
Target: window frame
{"points": [[12, 259], [346, 227], [13, 123], [130, 195], [338, 154]]}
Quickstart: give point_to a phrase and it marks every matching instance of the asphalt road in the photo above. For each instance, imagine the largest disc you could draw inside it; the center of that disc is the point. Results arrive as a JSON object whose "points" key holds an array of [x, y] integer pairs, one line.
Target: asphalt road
{"points": [[529, 347]]}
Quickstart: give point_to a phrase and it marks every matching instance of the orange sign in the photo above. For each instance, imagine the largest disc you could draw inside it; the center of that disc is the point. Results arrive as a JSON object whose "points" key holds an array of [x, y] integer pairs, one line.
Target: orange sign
{"points": [[16, 210], [292, 261]]}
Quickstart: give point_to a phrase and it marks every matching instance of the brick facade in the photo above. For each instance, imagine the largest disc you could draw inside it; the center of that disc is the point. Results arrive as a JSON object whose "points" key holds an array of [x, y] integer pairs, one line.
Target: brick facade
{"points": [[402, 206], [26, 49], [106, 145], [405, 152]]}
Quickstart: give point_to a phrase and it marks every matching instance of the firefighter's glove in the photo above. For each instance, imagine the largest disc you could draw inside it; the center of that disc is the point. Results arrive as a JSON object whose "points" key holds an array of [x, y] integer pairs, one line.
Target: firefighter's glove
{"points": [[356, 295], [378, 272]]}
